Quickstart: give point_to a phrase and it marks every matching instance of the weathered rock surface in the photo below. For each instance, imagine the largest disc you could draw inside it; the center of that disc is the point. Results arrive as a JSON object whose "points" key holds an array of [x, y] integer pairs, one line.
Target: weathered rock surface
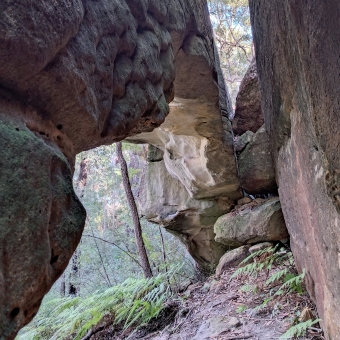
{"points": [[252, 224], [195, 150], [300, 101], [244, 200], [248, 113], [165, 200], [256, 168], [196, 136], [216, 325], [232, 258], [94, 72], [41, 219], [242, 141]]}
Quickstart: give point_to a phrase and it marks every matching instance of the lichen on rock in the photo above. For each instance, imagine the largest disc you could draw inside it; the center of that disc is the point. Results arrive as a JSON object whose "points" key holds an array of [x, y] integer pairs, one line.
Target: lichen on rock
{"points": [[41, 219], [252, 223]]}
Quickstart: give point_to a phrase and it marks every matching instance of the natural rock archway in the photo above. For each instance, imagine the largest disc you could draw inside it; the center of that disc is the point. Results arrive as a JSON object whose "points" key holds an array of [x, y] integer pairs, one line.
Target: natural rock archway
{"points": [[78, 74]]}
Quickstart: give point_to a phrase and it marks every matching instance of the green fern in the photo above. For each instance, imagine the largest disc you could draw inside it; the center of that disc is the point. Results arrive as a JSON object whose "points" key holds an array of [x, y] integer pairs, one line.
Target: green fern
{"points": [[241, 309], [292, 283], [277, 276], [134, 302], [255, 267], [248, 288], [262, 305], [299, 330]]}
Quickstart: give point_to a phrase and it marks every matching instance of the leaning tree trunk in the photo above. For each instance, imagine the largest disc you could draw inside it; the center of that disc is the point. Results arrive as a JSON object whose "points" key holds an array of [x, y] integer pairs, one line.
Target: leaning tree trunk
{"points": [[134, 212]]}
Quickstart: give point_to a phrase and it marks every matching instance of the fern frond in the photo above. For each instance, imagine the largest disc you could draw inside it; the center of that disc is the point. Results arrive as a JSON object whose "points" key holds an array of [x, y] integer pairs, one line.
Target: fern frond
{"points": [[299, 330], [293, 282], [133, 302], [277, 276]]}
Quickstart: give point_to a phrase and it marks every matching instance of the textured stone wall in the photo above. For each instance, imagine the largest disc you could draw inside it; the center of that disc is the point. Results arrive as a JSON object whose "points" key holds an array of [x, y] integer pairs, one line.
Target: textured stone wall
{"points": [[41, 219], [298, 54], [164, 200]]}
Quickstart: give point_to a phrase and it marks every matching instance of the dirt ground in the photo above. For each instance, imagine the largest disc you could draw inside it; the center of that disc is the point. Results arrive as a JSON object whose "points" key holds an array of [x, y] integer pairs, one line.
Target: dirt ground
{"points": [[221, 308]]}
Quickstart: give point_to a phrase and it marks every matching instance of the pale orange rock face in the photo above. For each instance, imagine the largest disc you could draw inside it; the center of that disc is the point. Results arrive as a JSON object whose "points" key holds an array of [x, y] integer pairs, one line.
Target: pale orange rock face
{"points": [[297, 62]]}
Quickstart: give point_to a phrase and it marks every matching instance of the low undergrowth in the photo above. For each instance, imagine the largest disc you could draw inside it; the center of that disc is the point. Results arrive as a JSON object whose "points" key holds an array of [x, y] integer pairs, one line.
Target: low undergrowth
{"points": [[133, 303], [271, 275], [266, 288]]}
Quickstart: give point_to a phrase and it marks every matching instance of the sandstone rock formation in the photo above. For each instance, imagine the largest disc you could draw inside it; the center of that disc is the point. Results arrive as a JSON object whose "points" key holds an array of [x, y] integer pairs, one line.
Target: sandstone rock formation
{"points": [[242, 141], [248, 113], [256, 168], [165, 200], [297, 49], [232, 259], [252, 224], [78, 74], [196, 136], [41, 219]]}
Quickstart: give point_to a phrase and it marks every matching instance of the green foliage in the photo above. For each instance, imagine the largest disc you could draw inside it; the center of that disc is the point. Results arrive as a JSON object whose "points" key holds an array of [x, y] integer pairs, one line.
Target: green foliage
{"points": [[293, 282], [248, 288], [241, 308], [265, 260], [299, 330], [278, 276], [233, 36], [134, 302], [262, 305], [256, 267]]}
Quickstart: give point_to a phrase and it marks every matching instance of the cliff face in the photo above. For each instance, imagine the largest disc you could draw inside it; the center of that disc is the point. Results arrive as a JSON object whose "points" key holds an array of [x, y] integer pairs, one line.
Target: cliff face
{"points": [[297, 49]]}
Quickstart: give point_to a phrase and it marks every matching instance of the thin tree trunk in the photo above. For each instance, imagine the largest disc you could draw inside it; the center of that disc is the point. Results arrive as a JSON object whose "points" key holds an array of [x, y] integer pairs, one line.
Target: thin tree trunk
{"points": [[163, 249], [101, 259], [134, 212], [74, 287], [74, 275], [63, 285], [82, 178]]}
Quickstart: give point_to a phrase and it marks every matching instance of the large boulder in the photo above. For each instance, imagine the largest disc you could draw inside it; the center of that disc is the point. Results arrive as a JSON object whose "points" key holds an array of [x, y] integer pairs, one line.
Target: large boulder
{"points": [[232, 258], [256, 167], [297, 48], [248, 113], [164, 200], [41, 219], [252, 224]]}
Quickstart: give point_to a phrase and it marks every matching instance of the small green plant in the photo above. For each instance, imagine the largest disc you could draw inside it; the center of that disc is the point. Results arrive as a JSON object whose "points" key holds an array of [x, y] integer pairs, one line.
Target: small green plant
{"points": [[255, 267], [262, 305], [241, 308], [294, 282], [248, 288], [277, 276], [299, 330]]}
